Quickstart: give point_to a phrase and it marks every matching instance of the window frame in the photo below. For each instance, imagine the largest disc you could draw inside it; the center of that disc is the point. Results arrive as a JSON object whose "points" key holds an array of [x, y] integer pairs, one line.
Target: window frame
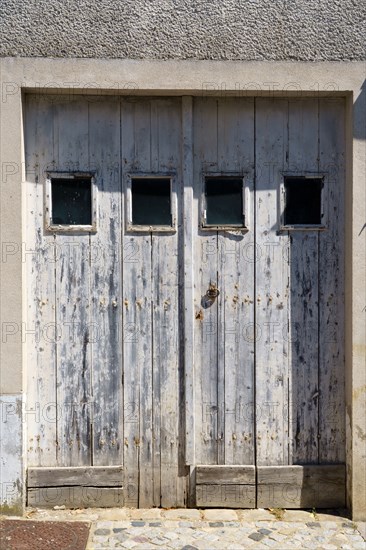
{"points": [[245, 202], [323, 202], [61, 228], [130, 226]]}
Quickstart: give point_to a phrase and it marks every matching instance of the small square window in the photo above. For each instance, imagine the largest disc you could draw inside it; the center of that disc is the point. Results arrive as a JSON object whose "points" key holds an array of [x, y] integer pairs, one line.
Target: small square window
{"points": [[223, 202], [150, 203], [70, 202], [303, 201]]}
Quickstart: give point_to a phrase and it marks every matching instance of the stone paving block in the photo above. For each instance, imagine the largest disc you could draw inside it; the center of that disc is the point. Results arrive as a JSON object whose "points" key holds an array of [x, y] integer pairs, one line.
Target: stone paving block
{"points": [[259, 514], [104, 525], [211, 537], [129, 544], [175, 544], [186, 524], [159, 541], [264, 531], [114, 543], [170, 535], [309, 545], [277, 537], [146, 513], [270, 543], [298, 515], [182, 513], [102, 531], [113, 514], [220, 515], [256, 536], [100, 539], [119, 538]]}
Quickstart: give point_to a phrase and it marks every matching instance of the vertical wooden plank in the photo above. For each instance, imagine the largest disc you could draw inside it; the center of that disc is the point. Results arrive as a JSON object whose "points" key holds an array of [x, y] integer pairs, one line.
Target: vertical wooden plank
{"points": [[149, 471], [130, 376], [331, 284], [106, 284], [205, 272], [137, 323], [188, 232], [39, 257], [165, 277], [131, 263], [157, 281], [236, 285], [272, 287], [186, 251], [73, 299], [165, 367], [303, 335]]}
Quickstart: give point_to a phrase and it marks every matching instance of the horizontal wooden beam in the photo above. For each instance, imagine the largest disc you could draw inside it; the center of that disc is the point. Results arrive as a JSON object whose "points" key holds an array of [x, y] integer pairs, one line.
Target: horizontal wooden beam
{"points": [[225, 486], [75, 497], [225, 496], [308, 486], [225, 475], [93, 476]]}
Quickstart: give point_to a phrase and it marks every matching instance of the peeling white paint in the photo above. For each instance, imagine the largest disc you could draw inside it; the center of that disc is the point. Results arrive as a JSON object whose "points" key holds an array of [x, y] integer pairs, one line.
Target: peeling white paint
{"points": [[11, 462]]}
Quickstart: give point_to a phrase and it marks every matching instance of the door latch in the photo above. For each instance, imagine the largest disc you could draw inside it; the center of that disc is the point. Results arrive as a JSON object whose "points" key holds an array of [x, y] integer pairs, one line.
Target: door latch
{"points": [[213, 291]]}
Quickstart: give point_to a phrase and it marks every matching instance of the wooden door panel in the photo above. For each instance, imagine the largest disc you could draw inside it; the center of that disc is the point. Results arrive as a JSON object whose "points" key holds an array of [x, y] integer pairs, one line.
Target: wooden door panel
{"points": [[272, 287], [151, 281], [223, 133]]}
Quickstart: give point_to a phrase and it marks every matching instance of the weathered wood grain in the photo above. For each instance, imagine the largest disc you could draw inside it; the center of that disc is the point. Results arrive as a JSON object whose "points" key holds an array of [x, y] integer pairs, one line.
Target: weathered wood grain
{"points": [[301, 486], [139, 371], [303, 156], [272, 287], [75, 497], [223, 474], [95, 476], [331, 284], [186, 250], [225, 496], [236, 285], [166, 277], [39, 255], [72, 272], [131, 337], [205, 273], [106, 301]]}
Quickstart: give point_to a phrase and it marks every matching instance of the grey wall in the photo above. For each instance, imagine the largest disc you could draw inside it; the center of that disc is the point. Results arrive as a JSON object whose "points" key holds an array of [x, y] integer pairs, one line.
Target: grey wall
{"points": [[185, 29]]}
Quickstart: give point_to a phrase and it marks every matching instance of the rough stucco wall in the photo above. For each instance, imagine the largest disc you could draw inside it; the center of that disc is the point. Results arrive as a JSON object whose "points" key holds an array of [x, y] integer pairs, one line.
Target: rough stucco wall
{"points": [[304, 30]]}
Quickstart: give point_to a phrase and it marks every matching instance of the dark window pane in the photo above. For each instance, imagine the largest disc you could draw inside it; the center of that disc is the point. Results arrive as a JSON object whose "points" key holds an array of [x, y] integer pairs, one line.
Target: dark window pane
{"points": [[224, 201], [151, 201], [71, 201], [303, 201]]}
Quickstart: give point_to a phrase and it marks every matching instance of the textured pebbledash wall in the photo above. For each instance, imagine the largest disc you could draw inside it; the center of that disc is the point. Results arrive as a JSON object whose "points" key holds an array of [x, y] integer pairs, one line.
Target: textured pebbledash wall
{"points": [[304, 30]]}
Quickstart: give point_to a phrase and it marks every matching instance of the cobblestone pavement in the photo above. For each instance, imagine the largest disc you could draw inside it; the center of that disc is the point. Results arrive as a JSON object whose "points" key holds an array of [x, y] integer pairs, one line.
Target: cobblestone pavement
{"points": [[213, 529]]}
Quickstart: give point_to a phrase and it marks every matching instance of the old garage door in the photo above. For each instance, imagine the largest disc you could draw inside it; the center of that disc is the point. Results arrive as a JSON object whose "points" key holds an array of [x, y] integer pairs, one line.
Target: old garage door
{"points": [[185, 301]]}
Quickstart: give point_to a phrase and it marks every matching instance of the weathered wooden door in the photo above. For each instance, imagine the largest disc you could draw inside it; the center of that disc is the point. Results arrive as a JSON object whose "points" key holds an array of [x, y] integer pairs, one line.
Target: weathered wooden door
{"points": [[224, 323], [151, 171], [269, 366], [189, 335]]}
